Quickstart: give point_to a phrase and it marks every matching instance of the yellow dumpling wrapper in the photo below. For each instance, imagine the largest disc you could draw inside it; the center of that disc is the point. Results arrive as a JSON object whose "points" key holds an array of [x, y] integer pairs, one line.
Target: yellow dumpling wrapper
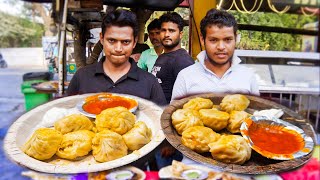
{"points": [[75, 144], [235, 120], [43, 143], [231, 149], [138, 136], [235, 102], [198, 103], [108, 145], [117, 119], [72, 123], [197, 138], [214, 119], [182, 119]]}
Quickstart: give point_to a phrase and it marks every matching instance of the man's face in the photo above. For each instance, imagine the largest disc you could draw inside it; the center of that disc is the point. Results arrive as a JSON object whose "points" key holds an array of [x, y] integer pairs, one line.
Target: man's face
{"points": [[118, 43], [154, 36], [219, 44], [170, 35]]}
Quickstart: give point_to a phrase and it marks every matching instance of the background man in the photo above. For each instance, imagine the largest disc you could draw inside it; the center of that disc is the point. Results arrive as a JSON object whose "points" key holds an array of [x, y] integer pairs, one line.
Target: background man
{"points": [[218, 70], [149, 56], [117, 72], [174, 58]]}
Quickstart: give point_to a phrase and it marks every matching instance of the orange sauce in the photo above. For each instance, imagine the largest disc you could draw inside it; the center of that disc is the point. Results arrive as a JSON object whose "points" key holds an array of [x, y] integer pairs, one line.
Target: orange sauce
{"points": [[275, 139], [95, 106]]}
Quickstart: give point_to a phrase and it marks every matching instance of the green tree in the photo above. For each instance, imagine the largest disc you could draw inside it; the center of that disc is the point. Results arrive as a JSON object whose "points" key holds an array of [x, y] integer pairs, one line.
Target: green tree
{"points": [[268, 40]]}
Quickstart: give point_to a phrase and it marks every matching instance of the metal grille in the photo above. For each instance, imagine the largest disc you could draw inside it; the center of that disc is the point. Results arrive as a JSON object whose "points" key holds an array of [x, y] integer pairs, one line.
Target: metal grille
{"points": [[306, 104]]}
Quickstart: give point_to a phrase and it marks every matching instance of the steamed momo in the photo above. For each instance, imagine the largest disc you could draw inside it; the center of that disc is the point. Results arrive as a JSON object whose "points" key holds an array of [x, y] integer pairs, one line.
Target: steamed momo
{"points": [[182, 119], [215, 119], [230, 149], [117, 119], [43, 143], [75, 144], [198, 103], [72, 123], [197, 138], [235, 121], [138, 136], [235, 102], [108, 145]]}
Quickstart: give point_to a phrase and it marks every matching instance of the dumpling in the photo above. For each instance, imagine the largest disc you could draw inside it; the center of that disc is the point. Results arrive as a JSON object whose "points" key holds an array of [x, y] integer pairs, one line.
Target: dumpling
{"points": [[108, 145], [118, 119], [182, 119], [214, 119], [72, 123], [198, 103], [235, 120], [138, 136], [235, 102], [197, 138], [75, 144], [230, 149], [43, 143]]}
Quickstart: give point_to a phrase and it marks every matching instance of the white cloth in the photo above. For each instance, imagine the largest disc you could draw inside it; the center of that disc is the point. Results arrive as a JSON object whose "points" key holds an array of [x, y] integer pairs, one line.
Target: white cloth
{"points": [[197, 79]]}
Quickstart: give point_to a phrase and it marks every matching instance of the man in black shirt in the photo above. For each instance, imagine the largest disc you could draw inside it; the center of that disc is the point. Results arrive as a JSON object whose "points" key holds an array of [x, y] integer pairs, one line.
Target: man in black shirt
{"points": [[174, 58], [117, 72], [166, 69]]}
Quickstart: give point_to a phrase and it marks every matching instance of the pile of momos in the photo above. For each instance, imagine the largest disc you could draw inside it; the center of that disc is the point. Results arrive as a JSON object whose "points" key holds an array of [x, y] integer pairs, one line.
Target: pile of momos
{"points": [[112, 135], [199, 122]]}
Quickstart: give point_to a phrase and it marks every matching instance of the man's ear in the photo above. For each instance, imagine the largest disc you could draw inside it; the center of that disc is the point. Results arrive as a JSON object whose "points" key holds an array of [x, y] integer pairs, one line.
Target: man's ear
{"points": [[101, 38], [181, 33], [202, 40], [135, 42]]}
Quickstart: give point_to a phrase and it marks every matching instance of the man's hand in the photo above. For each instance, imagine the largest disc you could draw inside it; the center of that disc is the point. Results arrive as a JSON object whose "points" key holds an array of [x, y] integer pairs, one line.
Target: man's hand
{"points": [[167, 151]]}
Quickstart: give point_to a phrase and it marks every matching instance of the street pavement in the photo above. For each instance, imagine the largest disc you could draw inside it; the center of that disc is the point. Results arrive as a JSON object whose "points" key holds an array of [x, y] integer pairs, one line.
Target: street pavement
{"points": [[11, 107]]}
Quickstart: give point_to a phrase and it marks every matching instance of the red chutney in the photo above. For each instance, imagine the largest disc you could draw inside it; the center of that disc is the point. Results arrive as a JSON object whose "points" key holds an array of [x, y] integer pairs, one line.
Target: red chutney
{"points": [[96, 106], [275, 139]]}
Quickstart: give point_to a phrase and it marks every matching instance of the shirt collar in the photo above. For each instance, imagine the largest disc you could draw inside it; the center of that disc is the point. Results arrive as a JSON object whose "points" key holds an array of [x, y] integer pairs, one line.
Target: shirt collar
{"points": [[133, 71], [153, 52]]}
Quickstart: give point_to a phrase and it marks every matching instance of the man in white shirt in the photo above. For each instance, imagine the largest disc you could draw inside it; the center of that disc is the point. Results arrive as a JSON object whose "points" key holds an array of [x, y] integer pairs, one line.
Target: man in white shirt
{"points": [[218, 70]]}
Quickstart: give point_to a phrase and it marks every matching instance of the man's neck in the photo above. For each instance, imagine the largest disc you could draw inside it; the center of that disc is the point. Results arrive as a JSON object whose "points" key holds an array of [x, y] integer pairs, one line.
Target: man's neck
{"points": [[158, 49], [115, 72], [166, 50], [219, 70]]}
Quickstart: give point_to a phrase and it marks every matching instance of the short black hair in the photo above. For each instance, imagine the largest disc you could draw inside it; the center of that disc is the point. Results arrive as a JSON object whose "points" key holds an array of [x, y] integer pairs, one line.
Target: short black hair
{"points": [[155, 24], [120, 18], [218, 18], [173, 17]]}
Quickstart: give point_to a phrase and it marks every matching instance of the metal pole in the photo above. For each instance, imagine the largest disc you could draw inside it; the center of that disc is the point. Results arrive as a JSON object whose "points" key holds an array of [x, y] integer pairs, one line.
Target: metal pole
{"points": [[61, 47]]}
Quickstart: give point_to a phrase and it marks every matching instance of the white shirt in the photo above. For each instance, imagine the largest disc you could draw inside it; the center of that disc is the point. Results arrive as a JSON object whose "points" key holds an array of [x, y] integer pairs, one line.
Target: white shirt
{"points": [[197, 79]]}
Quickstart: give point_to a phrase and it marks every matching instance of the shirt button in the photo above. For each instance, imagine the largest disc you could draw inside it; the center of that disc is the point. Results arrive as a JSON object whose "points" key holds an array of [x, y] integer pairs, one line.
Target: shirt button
{"points": [[113, 86]]}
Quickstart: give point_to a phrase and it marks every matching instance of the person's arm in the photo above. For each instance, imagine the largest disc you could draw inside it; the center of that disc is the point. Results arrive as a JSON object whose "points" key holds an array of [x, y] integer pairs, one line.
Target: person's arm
{"points": [[142, 62], [179, 88], [73, 87], [254, 86], [157, 95]]}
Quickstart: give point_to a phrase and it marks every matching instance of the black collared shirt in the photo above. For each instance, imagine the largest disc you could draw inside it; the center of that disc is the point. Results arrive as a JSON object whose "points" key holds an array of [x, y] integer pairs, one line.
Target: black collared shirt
{"points": [[92, 79]]}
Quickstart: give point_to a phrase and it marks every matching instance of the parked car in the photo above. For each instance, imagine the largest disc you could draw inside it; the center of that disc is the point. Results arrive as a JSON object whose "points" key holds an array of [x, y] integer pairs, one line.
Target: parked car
{"points": [[3, 63]]}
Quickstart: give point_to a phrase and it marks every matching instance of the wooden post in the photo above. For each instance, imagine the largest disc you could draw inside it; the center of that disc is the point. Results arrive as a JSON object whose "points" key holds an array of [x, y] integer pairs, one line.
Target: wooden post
{"points": [[199, 10]]}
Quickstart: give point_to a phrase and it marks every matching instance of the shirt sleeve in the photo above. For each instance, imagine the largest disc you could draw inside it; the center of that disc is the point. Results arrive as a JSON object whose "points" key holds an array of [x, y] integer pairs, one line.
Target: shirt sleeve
{"points": [[179, 88], [254, 86], [142, 61], [157, 95], [73, 87], [182, 63]]}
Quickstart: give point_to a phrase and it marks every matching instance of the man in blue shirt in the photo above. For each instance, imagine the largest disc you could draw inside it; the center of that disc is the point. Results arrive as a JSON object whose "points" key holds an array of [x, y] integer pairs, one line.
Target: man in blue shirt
{"points": [[149, 56]]}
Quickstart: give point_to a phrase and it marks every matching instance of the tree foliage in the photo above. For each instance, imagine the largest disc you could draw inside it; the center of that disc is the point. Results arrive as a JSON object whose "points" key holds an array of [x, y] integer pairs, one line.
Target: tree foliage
{"points": [[272, 41], [19, 32]]}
